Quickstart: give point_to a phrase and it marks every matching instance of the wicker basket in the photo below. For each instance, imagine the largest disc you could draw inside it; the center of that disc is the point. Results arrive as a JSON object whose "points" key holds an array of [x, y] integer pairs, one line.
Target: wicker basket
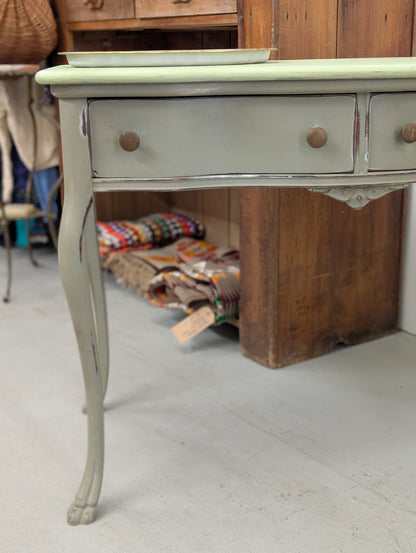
{"points": [[27, 31]]}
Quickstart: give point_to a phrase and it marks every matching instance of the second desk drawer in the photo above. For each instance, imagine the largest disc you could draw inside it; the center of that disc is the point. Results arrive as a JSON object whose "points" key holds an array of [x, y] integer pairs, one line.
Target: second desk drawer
{"points": [[174, 8], [78, 10], [209, 136], [389, 147]]}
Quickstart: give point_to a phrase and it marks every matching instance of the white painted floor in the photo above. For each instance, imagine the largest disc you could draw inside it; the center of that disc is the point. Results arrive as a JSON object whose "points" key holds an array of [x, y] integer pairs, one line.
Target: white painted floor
{"points": [[206, 451]]}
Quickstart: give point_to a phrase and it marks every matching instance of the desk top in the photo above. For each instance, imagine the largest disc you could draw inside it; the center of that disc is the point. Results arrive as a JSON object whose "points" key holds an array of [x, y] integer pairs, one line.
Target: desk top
{"points": [[280, 70]]}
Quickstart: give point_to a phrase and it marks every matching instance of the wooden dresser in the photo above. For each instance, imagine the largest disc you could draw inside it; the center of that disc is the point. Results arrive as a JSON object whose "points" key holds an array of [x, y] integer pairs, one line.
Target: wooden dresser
{"points": [[76, 16]]}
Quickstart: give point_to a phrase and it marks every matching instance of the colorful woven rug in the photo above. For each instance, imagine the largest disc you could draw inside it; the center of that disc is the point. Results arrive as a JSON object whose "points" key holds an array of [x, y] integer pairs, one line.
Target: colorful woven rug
{"points": [[147, 232]]}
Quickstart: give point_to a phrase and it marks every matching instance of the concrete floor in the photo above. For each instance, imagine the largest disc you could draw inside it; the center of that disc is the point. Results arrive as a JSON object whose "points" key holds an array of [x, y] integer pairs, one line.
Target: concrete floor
{"points": [[206, 451]]}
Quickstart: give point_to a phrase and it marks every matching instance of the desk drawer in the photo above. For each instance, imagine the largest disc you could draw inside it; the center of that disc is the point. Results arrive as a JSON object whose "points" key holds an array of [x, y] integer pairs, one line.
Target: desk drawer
{"points": [[208, 136], [389, 113], [98, 10], [174, 8]]}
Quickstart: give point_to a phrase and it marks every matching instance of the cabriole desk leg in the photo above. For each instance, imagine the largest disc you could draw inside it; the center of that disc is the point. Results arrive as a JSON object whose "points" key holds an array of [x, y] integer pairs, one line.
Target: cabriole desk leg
{"points": [[82, 280]]}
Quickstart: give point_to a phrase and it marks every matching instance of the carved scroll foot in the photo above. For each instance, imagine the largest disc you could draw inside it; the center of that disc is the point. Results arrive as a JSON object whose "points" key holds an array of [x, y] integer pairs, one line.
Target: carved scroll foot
{"points": [[81, 515]]}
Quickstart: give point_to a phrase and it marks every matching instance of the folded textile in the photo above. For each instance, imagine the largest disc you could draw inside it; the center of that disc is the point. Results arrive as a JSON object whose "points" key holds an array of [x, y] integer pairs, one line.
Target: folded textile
{"points": [[185, 275], [135, 268], [154, 230], [198, 280]]}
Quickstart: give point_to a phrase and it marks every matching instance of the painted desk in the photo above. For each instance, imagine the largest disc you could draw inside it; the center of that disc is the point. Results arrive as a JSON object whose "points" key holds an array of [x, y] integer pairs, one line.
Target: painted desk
{"points": [[346, 128]]}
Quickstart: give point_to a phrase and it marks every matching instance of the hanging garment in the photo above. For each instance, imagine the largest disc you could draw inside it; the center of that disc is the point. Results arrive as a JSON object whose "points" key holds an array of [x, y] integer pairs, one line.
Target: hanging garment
{"points": [[16, 124], [43, 181]]}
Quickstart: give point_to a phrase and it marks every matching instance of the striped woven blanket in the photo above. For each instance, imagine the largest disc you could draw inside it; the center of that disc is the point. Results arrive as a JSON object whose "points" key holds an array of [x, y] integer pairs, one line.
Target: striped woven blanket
{"points": [[158, 229], [185, 275]]}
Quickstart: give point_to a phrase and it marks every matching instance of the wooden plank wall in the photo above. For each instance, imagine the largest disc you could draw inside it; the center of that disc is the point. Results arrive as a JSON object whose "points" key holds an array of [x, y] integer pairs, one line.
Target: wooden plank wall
{"points": [[336, 274]]}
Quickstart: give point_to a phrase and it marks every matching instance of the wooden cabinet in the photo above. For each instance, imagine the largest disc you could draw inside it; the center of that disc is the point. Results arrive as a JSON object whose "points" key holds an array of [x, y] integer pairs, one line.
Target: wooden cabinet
{"points": [[321, 288], [76, 16], [208, 24]]}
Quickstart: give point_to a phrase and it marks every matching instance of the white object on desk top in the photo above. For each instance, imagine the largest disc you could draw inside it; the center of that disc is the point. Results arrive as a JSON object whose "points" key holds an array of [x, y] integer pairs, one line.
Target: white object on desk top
{"points": [[167, 58]]}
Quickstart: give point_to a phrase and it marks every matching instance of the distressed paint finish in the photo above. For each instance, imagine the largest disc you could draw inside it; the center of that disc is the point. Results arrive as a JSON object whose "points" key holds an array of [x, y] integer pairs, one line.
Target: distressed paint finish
{"points": [[278, 72], [387, 150], [82, 279], [254, 143], [78, 255]]}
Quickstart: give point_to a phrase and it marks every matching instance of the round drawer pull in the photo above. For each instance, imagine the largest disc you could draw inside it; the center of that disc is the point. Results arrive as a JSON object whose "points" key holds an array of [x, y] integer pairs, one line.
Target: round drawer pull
{"points": [[93, 4], [129, 141], [316, 137], [408, 133]]}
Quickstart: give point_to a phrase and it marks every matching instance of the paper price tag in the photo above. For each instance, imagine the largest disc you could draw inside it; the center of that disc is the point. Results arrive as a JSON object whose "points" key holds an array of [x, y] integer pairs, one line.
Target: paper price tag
{"points": [[193, 325]]}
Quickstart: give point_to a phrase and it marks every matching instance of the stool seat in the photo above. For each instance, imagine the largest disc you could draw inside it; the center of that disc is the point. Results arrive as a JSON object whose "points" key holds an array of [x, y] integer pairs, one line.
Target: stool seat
{"points": [[19, 211]]}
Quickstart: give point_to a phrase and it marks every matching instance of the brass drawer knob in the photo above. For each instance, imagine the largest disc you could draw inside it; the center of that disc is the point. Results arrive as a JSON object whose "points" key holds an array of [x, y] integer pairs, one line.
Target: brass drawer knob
{"points": [[316, 137], [408, 133], [129, 141], [93, 4]]}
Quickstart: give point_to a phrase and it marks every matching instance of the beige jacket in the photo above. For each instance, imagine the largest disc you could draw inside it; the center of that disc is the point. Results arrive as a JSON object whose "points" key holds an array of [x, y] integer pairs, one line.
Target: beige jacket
{"points": [[37, 150]]}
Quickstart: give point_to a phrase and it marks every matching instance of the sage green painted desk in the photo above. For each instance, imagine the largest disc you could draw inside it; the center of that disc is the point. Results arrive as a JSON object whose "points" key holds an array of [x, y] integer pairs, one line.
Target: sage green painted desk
{"points": [[346, 128]]}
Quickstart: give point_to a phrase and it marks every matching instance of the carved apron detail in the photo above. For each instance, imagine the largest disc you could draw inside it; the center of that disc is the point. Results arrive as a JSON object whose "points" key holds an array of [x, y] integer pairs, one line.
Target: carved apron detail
{"points": [[356, 196]]}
